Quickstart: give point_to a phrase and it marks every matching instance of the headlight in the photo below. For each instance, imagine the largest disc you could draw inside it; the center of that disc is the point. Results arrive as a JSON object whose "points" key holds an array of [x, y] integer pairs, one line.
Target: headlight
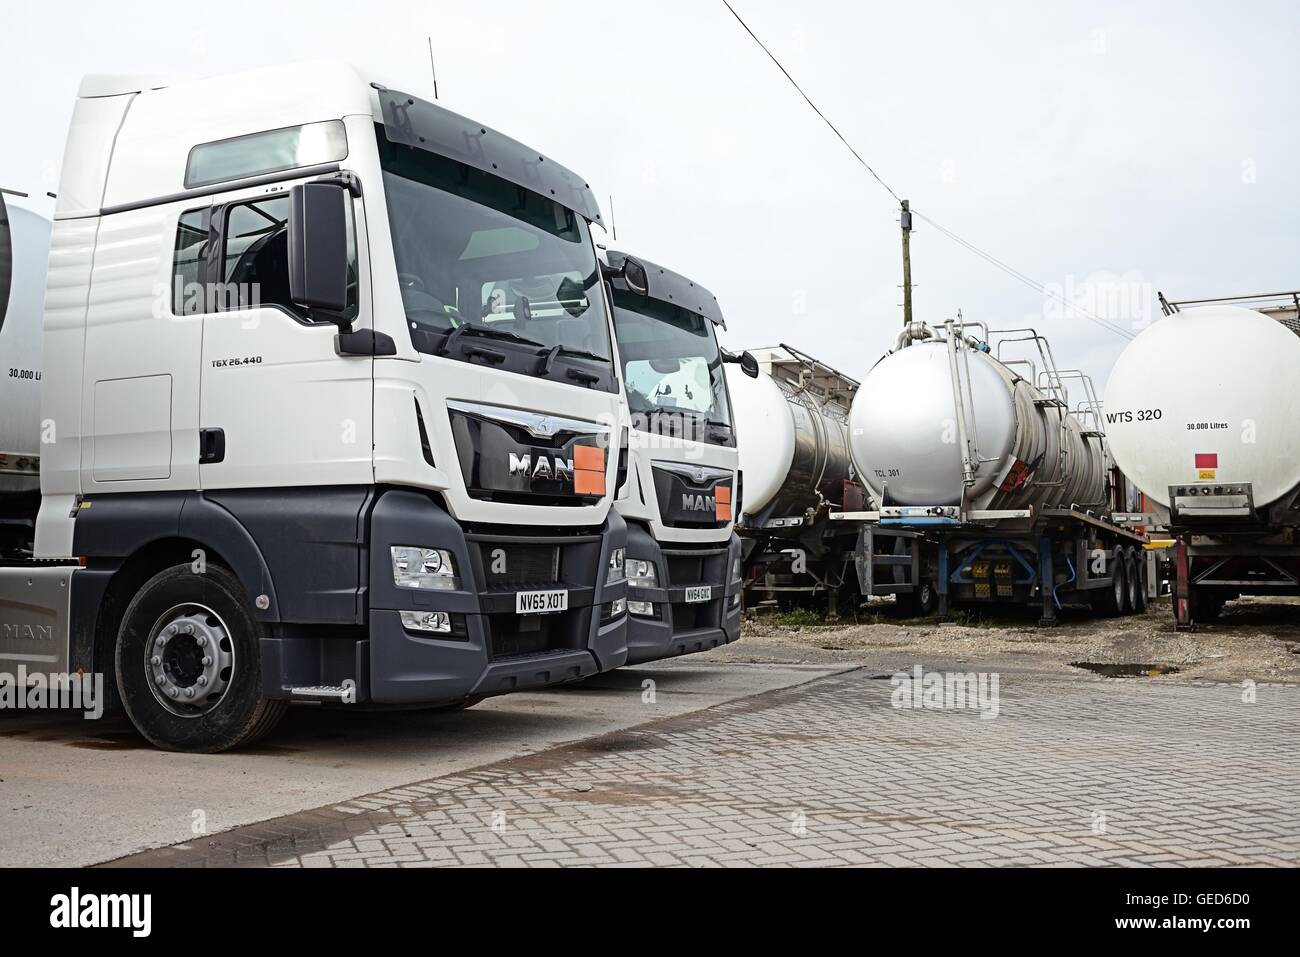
{"points": [[645, 609], [641, 573], [735, 569], [438, 622], [423, 568], [617, 561], [617, 607]]}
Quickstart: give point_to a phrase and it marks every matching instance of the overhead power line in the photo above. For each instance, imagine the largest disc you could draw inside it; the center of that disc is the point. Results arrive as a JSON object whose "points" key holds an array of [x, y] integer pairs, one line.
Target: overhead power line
{"points": [[1021, 277], [986, 256], [809, 101]]}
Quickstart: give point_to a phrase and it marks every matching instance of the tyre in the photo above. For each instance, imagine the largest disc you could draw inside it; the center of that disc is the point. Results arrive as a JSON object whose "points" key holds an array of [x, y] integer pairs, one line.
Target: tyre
{"points": [[927, 598], [1140, 573], [1113, 598], [1132, 584], [189, 665], [918, 603]]}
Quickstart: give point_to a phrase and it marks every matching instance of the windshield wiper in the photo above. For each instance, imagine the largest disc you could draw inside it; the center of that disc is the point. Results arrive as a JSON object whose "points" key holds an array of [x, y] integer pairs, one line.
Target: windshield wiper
{"points": [[548, 357], [581, 354], [507, 334], [487, 332]]}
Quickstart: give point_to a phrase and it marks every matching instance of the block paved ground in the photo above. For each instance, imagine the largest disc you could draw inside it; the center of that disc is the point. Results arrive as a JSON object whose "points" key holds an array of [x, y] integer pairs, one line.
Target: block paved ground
{"points": [[1072, 771]]}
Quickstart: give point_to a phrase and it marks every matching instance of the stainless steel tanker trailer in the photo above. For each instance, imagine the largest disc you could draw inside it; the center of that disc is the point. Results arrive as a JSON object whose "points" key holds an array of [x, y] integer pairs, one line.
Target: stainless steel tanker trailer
{"points": [[792, 431], [1201, 411], [990, 488]]}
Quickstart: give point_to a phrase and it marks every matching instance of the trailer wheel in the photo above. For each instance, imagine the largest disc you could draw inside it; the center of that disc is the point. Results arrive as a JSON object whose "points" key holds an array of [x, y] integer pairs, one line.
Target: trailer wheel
{"points": [[927, 598], [1140, 574], [919, 603], [1112, 600], [1132, 584], [188, 663]]}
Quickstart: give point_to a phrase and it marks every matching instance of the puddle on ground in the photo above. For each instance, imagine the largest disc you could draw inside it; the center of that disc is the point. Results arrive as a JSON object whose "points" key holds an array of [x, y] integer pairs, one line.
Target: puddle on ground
{"points": [[1125, 670]]}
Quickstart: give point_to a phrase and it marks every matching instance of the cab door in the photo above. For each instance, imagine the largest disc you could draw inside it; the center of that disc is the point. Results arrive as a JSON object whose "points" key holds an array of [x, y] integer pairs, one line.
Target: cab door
{"points": [[140, 386], [279, 407]]}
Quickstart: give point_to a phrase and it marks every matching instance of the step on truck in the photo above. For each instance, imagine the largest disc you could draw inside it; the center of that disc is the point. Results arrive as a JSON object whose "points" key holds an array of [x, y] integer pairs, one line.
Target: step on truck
{"points": [[990, 487], [328, 412], [682, 491]]}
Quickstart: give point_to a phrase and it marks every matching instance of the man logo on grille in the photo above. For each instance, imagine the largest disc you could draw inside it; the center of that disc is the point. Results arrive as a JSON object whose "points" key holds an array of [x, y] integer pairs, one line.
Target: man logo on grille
{"points": [[543, 466]]}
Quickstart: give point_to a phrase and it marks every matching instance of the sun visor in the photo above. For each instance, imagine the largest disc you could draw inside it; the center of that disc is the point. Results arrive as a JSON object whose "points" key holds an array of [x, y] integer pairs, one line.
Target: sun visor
{"points": [[414, 122], [668, 286]]}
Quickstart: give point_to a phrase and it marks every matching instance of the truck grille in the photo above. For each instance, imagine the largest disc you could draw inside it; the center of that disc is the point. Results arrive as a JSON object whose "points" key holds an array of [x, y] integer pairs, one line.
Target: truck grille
{"points": [[518, 636], [685, 569], [689, 617], [505, 566], [695, 566]]}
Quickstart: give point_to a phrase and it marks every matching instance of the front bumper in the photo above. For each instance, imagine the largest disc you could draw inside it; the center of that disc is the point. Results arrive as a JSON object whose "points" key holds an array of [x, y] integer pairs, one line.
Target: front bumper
{"points": [[678, 627], [492, 649]]}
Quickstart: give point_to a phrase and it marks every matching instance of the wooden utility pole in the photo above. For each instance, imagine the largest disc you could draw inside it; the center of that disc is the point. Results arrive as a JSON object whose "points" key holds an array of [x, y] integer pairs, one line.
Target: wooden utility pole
{"points": [[905, 220]]}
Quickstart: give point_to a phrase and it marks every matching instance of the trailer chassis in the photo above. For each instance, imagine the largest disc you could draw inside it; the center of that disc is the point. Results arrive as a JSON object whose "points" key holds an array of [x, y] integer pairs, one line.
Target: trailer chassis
{"points": [[982, 556]]}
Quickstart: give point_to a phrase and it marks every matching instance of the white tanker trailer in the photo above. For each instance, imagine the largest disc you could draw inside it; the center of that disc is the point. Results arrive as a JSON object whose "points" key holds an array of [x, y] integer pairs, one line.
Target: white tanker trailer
{"points": [[792, 435], [990, 489], [24, 249], [1213, 444]]}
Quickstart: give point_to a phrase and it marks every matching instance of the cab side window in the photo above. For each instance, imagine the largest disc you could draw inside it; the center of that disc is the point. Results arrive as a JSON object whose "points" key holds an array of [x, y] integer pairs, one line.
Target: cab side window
{"points": [[255, 258], [187, 262]]}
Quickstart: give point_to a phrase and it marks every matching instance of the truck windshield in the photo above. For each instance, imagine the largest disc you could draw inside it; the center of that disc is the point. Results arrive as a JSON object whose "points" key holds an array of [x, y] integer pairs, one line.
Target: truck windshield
{"points": [[492, 272], [672, 369]]}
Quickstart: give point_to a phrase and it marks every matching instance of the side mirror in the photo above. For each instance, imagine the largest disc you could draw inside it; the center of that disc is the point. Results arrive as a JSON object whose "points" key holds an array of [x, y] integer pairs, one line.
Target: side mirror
{"points": [[632, 272], [318, 248], [748, 364], [634, 275]]}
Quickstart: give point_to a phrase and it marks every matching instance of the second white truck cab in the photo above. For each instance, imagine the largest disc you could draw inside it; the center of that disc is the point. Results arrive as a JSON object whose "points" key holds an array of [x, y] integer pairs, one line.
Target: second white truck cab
{"points": [[329, 409], [683, 487]]}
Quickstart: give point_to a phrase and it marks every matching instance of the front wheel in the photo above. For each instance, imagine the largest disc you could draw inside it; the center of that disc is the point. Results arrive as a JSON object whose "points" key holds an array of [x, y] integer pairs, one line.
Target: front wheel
{"points": [[189, 663]]}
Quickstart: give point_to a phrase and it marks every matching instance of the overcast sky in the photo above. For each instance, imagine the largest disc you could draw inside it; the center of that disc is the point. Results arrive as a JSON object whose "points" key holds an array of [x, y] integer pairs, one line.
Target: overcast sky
{"points": [[1110, 149]]}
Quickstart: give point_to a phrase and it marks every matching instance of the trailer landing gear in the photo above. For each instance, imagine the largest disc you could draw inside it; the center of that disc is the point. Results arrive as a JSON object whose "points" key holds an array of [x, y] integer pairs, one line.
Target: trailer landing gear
{"points": [[1046, 583], [1182, 591]]}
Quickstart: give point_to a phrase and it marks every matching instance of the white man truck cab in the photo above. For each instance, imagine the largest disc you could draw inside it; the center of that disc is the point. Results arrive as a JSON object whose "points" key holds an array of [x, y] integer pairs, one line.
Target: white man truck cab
{"points": [[683, 488], [329, 393]]}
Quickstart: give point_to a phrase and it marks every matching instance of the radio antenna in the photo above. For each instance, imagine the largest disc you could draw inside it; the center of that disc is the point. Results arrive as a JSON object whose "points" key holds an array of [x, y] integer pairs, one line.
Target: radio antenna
{"points": [[433, 67]]}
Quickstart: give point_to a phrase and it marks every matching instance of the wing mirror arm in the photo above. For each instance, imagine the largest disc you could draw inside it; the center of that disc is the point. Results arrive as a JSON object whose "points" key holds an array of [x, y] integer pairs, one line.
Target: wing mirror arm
{"points": [[748, 364], [631, 272]]}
